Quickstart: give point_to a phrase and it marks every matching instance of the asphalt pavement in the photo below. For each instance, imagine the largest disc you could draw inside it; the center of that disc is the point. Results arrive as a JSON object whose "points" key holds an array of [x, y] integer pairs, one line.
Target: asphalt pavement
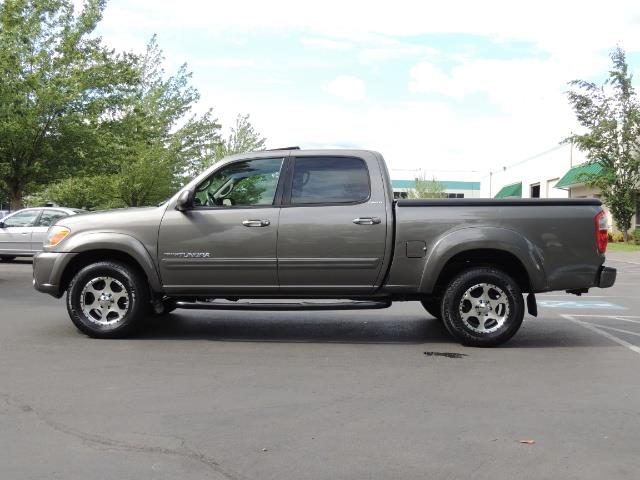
{"points": [[381, 394]]}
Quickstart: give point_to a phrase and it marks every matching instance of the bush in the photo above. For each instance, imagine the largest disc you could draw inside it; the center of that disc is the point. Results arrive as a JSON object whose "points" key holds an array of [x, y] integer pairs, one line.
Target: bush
{"points": [[636, 236], [617, 237]]}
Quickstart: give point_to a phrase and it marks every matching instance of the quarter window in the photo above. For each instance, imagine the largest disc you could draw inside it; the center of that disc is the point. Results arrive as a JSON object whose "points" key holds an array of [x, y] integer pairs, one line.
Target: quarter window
{"points": [[241, 184], [329, 180]]}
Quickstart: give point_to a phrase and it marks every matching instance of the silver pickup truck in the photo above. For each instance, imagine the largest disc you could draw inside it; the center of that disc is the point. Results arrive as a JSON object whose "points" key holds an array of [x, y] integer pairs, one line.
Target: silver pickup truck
{"points": [[319, 229]]}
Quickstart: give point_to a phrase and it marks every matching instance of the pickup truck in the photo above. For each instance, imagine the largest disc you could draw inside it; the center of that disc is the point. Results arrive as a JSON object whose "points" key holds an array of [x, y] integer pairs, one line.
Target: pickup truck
{"points": [[320, 229]]}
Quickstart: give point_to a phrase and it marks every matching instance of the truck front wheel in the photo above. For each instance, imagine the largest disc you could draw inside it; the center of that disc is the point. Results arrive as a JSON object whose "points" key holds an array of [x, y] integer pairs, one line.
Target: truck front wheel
{"points": [[107, 299], [483, 307]]}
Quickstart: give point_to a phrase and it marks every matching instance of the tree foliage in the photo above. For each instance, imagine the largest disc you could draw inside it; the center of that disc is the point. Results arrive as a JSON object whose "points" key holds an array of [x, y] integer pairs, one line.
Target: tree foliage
{"points": [[158, 140], [86, 127], [243, 138], [56, 85], [610, 113], [427, 189]]}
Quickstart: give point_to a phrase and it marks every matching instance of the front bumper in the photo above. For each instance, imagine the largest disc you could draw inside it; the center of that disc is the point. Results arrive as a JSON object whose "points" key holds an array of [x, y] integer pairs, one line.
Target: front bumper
{"points": [[606, 277], [48, 268]]}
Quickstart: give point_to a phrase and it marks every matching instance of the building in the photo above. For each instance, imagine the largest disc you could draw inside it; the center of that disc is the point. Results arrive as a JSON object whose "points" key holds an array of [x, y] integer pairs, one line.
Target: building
{"points": [[452, 188], [557, 173], [533, 177], [574, 182]]}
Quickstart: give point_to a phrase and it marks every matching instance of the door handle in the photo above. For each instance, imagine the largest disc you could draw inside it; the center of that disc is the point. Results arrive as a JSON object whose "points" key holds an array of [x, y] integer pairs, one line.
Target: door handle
{"points": [[366, 221], [256, 223]]}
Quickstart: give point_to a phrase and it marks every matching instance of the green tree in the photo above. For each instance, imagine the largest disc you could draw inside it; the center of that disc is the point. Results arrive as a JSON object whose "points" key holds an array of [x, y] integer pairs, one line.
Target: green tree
{"points": [[57, 84], [610, 114], [159, 140], [427, 189], [243, 138]]}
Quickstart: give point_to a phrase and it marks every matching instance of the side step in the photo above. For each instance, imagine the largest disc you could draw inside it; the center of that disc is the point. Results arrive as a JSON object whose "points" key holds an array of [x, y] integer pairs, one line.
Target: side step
{"points": [[301, 305]]}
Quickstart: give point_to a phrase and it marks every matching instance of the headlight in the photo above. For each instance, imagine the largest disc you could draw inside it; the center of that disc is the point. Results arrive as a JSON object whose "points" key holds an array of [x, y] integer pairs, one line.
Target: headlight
{"points": [[55, 235]]}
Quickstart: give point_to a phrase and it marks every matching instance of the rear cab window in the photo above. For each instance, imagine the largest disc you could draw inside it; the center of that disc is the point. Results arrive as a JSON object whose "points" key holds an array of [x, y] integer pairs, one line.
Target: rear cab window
{"points": [[329, 180]]}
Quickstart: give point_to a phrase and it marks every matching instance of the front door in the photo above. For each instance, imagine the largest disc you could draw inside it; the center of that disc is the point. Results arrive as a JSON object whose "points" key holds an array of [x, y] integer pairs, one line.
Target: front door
{"points": [[333, 227], [227, 241], [15, 234]]}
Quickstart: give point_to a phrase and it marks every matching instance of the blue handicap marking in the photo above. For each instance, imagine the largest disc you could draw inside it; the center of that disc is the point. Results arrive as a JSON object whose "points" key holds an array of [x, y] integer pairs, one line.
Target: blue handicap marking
{"points": [[580, 304]]}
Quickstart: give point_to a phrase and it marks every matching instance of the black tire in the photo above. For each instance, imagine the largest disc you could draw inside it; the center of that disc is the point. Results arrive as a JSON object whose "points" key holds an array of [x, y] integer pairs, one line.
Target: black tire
{"points": [[168, 306], [433, 306], [102, 315], [7, 258], [483, 307]]}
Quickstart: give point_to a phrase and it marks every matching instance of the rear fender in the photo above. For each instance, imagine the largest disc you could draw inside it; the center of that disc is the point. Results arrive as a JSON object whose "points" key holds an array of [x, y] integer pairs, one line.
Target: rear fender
{"points": [[475, 238]]}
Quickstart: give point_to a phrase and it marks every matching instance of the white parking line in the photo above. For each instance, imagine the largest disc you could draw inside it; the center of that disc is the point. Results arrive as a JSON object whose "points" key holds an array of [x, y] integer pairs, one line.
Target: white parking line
{"points": [[595, 329], [628, 332]]}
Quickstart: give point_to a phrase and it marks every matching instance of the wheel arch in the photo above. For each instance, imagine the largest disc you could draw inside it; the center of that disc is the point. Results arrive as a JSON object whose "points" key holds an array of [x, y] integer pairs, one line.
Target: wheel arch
{"points": [[112, 247], [486, 247]]}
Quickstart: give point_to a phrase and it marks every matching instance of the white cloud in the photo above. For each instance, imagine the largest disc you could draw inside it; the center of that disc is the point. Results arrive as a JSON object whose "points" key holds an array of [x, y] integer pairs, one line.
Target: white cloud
{"points": [[433, 126], [327, 43], [225, 62], [346, 87]]}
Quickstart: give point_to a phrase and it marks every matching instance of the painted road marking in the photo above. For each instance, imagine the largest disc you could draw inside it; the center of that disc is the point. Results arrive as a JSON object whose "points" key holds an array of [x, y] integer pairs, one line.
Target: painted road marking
{"points": [[580, 304], [599, 331], [620, 330]]}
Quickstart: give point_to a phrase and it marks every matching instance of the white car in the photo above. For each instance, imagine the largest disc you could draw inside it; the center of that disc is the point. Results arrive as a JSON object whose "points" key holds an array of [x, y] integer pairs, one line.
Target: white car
{"points": [[22, 233]]}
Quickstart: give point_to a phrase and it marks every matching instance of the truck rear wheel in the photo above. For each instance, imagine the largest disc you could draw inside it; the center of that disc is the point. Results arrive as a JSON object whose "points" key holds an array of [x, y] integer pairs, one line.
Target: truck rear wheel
{"points": [[483, 307], [107, 300]]}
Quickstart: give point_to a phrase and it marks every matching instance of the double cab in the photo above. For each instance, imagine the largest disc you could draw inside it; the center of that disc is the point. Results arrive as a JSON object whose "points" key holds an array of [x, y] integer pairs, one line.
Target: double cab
{"points": [[320, 229]]}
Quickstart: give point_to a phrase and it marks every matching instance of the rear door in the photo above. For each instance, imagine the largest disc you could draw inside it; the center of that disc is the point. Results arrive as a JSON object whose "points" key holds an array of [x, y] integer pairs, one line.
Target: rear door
{"points": [[39, 231], [333, 225], [15, 234]]}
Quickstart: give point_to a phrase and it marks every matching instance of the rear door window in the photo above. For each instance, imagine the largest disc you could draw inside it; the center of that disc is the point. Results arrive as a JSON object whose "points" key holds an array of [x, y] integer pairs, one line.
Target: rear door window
{"points": [[49, 217], [329, 180]]}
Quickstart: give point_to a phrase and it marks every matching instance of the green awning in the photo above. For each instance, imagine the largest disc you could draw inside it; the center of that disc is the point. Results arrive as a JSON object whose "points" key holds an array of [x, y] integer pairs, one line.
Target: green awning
{"points": [[510, 191], [579, 174]]}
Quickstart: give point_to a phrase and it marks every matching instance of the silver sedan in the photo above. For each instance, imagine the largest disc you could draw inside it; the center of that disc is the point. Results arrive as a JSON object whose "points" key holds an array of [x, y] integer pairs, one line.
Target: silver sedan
{"points": [[22, 233]]}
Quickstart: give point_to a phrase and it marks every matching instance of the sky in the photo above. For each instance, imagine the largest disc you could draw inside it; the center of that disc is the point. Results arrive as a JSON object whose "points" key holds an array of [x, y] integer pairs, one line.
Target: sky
{"points": [[456, 89]]}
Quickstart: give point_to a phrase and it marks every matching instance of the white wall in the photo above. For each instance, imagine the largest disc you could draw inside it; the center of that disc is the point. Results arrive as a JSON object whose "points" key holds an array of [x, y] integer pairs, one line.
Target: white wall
{"points": [[544, 169]]}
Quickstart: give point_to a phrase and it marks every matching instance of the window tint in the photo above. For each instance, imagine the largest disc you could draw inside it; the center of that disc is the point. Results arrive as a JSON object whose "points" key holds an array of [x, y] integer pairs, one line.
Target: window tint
{"points": [[248, 183], [329, 180], [22, 219], [49, 217]]}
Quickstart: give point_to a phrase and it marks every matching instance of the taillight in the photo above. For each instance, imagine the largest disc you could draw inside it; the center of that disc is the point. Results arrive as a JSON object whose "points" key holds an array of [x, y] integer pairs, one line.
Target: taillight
{"points": [[602, 233]]}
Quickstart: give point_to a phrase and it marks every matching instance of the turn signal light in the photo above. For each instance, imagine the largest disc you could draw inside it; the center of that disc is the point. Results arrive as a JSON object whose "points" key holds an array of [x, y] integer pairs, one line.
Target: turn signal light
{"points": [[55, 235], [602, 233]]}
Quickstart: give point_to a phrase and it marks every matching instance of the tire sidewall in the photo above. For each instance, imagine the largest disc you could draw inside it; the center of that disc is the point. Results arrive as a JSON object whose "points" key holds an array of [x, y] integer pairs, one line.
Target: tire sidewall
{"points": [[456, 290], [135, 290]]}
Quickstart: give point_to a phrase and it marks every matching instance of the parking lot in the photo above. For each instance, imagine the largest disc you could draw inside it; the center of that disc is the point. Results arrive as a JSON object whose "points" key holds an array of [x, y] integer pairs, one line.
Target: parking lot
{"points": [[322, 395]]}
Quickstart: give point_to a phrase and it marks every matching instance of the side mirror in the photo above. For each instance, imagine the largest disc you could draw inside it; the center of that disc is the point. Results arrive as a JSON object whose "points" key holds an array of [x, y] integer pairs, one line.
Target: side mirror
{"points": [[185, 200]]}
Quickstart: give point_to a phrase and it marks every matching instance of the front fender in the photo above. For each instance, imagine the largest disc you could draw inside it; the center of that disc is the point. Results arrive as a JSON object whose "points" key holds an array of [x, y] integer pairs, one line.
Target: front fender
{"points": [[121, 242], [476, 238]]}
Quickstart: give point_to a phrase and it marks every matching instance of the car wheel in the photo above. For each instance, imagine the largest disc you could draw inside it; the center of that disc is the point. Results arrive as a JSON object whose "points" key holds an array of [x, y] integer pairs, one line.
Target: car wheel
{"points": [[433, 307], [107, 300], [483, 307], [7, 258]]}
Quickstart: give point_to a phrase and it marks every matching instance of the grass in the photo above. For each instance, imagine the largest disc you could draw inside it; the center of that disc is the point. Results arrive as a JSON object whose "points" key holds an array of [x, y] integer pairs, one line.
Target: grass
{"points": [[623, 247]]}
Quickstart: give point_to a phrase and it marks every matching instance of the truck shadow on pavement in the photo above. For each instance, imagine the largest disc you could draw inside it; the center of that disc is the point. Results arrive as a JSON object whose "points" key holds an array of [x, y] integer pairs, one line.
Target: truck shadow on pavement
{"points": [[335, 328], [347, 327]]}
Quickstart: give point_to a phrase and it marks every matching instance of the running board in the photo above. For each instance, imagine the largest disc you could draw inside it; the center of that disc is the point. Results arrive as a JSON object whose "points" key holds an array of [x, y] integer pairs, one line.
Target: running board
{"points": [[249, 305]]}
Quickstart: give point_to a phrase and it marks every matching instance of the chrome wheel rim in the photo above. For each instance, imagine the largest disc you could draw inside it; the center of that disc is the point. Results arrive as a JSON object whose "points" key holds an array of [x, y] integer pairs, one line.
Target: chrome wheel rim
{"points": [[104, 300], [484, 308]]}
